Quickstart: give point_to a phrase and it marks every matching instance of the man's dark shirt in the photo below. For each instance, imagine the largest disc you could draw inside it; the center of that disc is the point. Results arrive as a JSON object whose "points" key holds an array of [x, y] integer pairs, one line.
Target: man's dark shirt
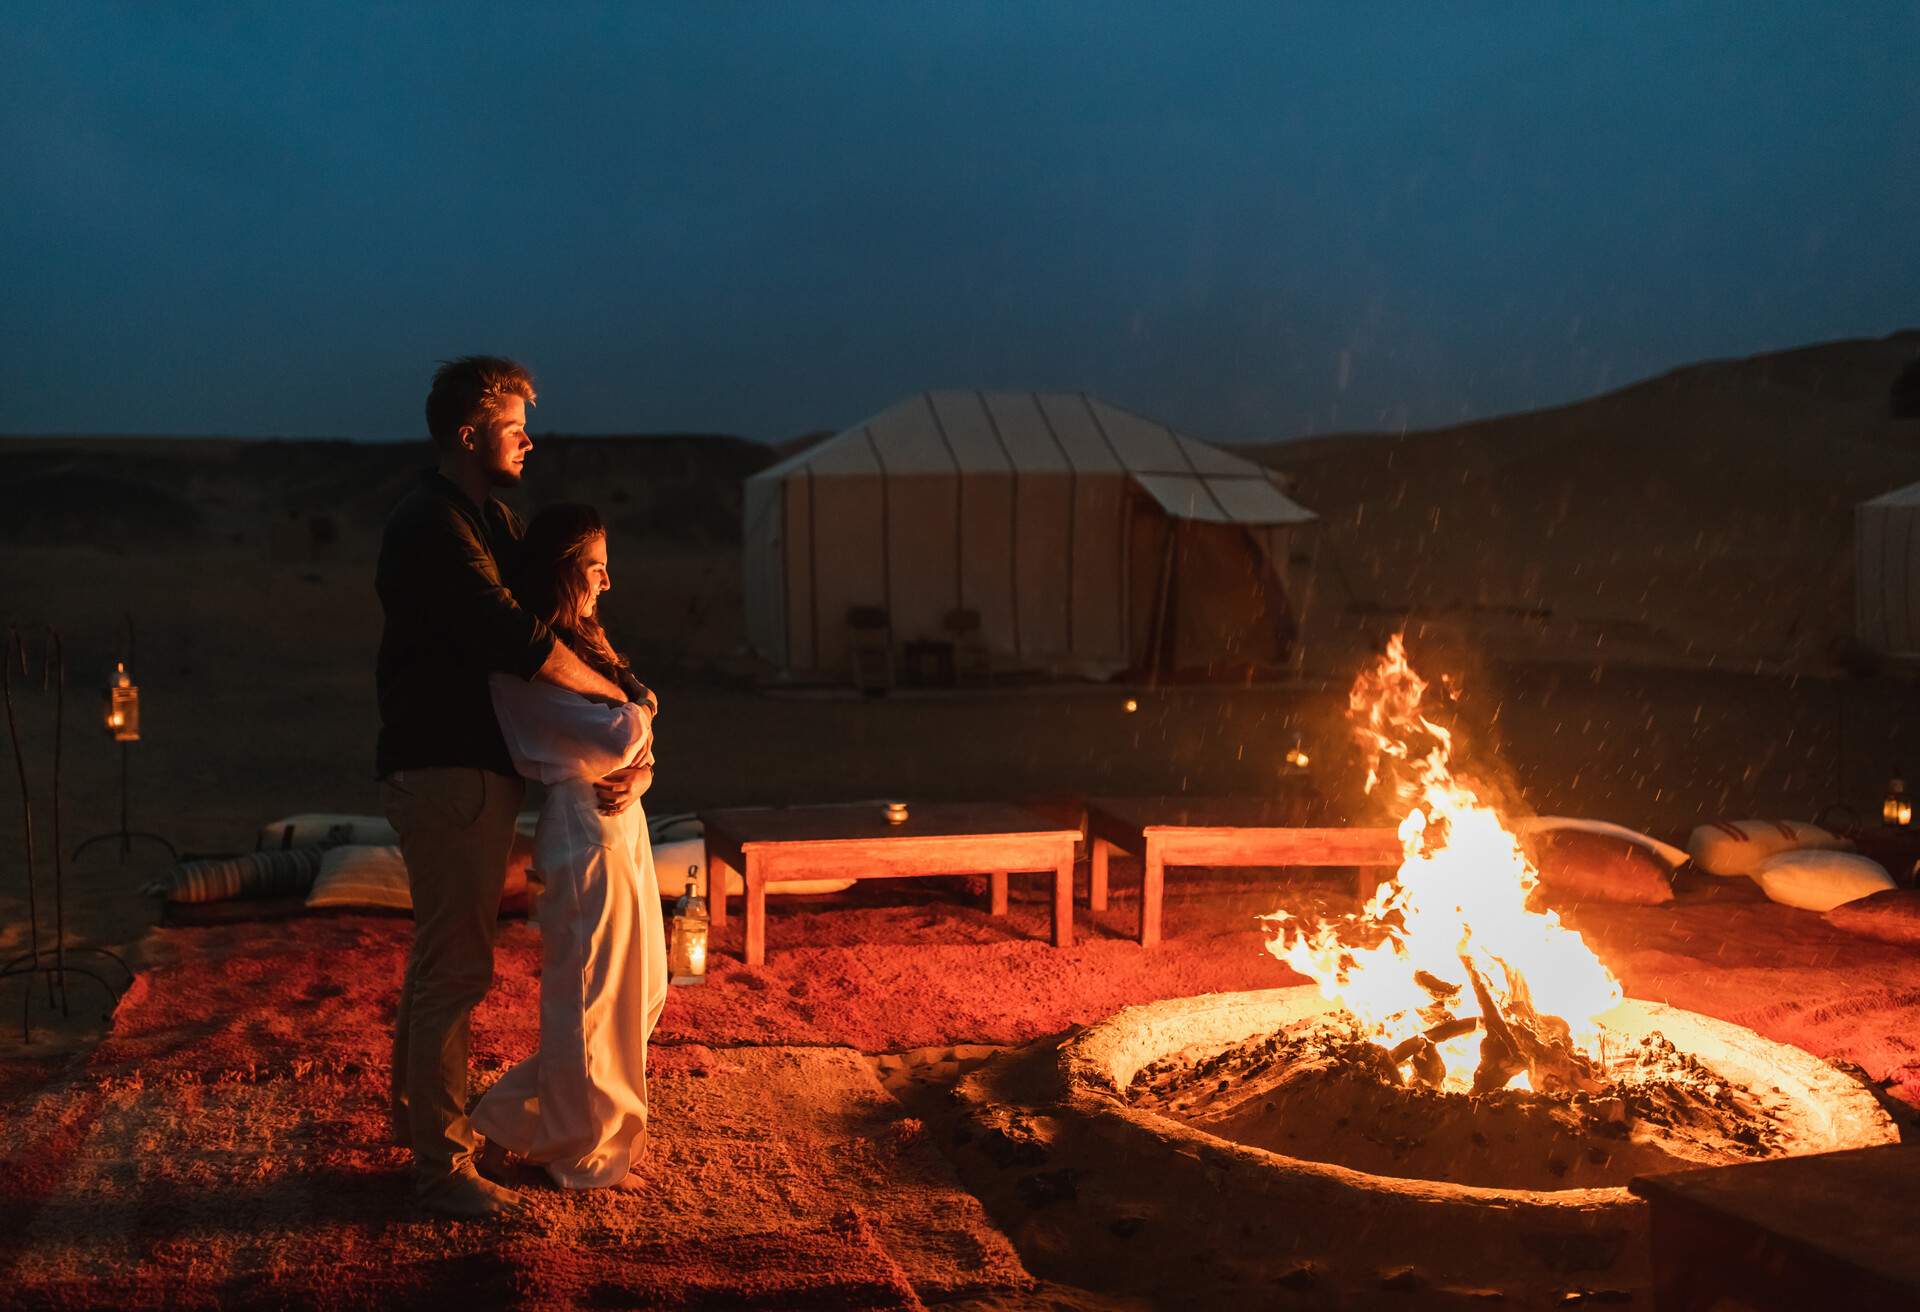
{"points": [[450, 622]]}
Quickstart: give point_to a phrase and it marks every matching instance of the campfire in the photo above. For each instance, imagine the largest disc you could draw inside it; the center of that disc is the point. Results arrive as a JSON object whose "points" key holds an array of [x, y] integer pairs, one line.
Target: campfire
{"points": [[1446, 967]]}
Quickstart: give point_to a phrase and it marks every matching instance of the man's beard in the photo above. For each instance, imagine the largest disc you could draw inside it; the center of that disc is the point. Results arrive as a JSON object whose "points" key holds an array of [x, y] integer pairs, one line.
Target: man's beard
{"points": [[508, 477]]}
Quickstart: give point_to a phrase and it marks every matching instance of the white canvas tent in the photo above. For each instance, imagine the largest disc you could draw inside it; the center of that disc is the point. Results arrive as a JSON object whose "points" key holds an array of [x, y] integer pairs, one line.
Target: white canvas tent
{"points": [[1886, 572], [1086, 539]]}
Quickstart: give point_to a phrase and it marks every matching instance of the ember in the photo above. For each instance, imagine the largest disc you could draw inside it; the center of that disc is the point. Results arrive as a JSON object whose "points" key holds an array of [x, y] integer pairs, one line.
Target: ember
{"points": [[1446, 967], [1324, 1088]]}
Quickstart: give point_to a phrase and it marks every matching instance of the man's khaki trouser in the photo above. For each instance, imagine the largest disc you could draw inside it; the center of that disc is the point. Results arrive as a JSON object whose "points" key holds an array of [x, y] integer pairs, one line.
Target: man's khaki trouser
{"points": [[456, 830]]}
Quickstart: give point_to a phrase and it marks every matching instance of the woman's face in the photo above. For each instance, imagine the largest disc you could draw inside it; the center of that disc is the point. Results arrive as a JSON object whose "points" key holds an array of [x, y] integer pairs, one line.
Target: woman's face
{"points": [[593, 563]]}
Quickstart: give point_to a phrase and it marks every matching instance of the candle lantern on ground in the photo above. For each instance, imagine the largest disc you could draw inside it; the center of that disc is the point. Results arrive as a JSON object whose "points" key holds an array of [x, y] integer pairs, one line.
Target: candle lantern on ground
{"points": [[1896, 808], [687, 936]]}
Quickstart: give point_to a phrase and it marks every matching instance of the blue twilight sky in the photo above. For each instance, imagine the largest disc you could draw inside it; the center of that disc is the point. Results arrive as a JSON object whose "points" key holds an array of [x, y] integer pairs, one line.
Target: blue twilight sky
{"points": [[1252, 221]]}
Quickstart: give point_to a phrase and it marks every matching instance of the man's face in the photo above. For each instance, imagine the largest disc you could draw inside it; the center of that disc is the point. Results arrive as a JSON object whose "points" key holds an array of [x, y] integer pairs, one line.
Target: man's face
{"points": [[500, 444]]}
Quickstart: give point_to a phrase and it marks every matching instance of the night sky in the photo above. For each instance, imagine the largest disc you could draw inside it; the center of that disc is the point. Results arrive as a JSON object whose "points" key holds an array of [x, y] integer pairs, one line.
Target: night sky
{"points": [[1252, 222]]}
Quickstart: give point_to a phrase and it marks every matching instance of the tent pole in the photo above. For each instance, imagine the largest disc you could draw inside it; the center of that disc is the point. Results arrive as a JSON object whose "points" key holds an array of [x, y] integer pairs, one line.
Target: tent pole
{"points": [[1160, 606]]}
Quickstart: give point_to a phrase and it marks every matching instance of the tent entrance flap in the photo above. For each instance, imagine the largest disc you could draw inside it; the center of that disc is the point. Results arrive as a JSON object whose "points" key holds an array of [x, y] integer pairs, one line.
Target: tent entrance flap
{"points": [[1209, 599]]}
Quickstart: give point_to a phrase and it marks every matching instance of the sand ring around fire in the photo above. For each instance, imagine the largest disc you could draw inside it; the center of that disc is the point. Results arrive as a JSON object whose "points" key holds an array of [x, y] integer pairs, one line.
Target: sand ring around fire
{"points": [[1063, 1114]]}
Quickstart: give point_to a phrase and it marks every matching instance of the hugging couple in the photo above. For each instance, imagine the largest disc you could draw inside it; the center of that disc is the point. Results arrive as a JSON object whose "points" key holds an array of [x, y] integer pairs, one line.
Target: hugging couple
{"points": [[493, 670]]}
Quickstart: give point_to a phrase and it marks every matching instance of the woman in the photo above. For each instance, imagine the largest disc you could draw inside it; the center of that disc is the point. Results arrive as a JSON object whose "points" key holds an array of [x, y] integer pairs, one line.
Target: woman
{"points": [[578, 1106]]}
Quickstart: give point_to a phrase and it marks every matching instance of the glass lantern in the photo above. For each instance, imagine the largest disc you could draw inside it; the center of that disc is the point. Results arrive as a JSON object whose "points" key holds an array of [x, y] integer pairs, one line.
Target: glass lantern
{"points": [[1296, 758], [123, 706], [687, 936], [1896, 808]]}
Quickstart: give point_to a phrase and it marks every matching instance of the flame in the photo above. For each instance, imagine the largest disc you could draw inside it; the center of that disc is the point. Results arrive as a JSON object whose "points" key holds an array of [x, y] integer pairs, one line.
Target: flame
{"points": [[1459, 896]]}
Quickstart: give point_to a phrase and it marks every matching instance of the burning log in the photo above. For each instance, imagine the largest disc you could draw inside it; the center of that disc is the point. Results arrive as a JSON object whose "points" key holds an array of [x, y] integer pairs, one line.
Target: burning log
{"points": [[1522, 1040], [1423, 1050], [1451, 1028]]}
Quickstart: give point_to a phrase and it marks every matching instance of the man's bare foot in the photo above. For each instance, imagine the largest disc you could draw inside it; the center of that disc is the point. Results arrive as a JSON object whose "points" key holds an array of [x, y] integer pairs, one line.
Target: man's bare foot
{"points": [[466, 1194], [491, 1162]]}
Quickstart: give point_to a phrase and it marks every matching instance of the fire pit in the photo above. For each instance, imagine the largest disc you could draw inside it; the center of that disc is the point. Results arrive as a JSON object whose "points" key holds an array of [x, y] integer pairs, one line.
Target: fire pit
{"points": [[1283, 1071], [1456, 1102], [1356, 1179]]}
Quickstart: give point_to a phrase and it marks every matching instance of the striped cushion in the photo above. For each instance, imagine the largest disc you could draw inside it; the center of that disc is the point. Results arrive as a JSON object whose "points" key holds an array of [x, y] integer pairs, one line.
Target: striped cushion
{"points": [[1737, 847], [325, 829], [256, 874]]}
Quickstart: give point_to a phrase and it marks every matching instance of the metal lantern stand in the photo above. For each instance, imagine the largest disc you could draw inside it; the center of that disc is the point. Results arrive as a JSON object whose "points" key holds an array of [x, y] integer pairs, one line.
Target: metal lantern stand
{"points": [[126, 836], [126, 739], [52, 965]]}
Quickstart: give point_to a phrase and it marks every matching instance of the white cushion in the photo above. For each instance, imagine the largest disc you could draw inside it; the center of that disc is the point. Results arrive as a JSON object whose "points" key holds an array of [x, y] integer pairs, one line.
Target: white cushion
{"points": [[311, 828], [1820, 881], [1737, 847], [671, 859], [362, 875], [1674, 857]]}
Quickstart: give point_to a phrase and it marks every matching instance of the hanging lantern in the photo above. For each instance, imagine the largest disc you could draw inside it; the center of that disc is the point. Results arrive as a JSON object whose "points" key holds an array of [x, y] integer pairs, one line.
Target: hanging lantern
{"points": [[1896, 808], [687, 936], [1130, 705], [123, 706]]}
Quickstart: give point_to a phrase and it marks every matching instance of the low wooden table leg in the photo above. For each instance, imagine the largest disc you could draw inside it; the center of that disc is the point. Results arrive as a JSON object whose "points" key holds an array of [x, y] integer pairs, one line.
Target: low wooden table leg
{"points": [[997, 893], [1063, 902], [756, 915], [719, 874], [1153, 880], [1097, 875]]}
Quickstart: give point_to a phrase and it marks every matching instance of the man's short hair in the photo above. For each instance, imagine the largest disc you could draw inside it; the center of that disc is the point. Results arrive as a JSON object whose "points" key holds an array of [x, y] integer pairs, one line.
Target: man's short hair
{"points": [[471, 389]]}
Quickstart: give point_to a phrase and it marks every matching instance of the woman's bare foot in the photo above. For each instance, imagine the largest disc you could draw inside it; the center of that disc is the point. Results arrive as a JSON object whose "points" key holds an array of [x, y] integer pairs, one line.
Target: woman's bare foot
{"points": [[630, 1183]]}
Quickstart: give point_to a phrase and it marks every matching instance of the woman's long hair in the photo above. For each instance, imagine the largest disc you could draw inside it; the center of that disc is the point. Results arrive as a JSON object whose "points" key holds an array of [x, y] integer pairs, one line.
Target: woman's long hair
{"points": [[551, 582]]}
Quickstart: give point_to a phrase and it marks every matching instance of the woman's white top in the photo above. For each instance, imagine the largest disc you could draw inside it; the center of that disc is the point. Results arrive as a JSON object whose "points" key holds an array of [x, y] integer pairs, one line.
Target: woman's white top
{"points": [[555, 735]]}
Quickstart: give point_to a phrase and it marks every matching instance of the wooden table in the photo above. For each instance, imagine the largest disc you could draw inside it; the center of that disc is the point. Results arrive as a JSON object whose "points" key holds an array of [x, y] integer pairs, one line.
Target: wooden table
{"points": [[770, 844], [1220, 831], [1834, 1230]]}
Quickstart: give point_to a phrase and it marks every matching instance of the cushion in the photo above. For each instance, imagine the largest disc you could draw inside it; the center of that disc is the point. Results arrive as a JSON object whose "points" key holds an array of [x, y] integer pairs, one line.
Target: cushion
{"points": [[317, 828], [1891, 915], [1581, 865], [255, 874], [375, 875], [671, 860], [362, 875], [1737, 847], [1820, 881], [1674, 857]]}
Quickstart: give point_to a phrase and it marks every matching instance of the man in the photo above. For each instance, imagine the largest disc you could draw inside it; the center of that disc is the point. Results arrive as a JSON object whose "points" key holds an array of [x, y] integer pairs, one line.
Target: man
{"points": [[446, 780]]}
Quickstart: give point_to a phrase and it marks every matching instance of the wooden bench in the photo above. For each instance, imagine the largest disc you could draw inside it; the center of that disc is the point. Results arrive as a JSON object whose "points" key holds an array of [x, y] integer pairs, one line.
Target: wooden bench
{"points": [[769, 845], [1221, 831]]}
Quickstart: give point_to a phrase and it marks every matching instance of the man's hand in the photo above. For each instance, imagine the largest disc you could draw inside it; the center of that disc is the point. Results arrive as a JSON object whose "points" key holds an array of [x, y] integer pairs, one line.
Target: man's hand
{"points": [[563, 669], [623, 788]]}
